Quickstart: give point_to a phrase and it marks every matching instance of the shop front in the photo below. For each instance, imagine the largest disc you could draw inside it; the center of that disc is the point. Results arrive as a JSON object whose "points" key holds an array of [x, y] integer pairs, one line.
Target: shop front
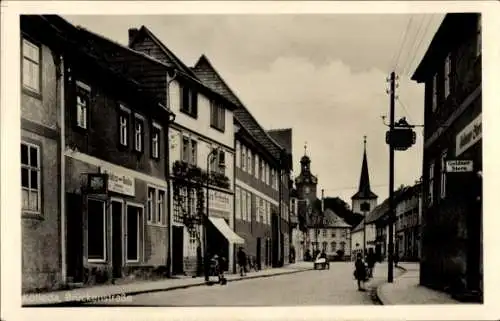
{"points": [[115, 223]]}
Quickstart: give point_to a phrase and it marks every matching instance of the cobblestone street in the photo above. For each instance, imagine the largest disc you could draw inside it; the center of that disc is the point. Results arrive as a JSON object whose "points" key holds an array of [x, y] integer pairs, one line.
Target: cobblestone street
{"points": [[317, 287]]}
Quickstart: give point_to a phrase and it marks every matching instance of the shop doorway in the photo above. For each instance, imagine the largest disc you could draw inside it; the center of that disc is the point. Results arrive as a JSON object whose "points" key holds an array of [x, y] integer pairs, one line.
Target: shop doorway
{"points": [[117, 241], [177, 249]]}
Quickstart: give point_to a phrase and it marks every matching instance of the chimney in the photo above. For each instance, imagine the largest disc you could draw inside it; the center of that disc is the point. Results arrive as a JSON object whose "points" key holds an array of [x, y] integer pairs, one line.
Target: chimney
{"points": [[132, 32]]}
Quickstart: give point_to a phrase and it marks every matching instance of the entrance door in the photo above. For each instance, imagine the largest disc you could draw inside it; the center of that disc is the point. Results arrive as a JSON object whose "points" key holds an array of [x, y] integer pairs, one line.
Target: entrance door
{"points": [[117, 244], [74, 237], [177, 249], [258, 253]]}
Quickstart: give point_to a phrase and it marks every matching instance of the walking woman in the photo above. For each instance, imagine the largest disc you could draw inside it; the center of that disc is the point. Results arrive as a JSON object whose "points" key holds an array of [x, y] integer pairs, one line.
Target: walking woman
{"points": [[360, 272]]}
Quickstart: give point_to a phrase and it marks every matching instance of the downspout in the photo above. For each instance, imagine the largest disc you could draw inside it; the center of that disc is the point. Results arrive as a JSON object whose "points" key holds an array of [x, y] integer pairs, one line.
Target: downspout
{"points": [[167, 175], [62, 169]]}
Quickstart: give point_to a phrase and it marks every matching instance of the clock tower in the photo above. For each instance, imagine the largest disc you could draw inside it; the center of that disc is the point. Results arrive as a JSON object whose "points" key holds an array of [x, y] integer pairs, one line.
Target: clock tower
{"points": [[364, 201], [306, 183]]}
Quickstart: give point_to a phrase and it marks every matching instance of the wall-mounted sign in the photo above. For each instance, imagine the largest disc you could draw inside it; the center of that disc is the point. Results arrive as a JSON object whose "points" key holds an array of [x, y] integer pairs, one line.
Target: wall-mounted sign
{"points": [[120, 183], [459, 166], [220, 201], [97, 184], [468, 136]]}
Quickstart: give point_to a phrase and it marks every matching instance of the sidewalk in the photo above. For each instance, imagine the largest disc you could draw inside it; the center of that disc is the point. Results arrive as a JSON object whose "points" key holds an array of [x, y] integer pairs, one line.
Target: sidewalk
{"points": [[406, 290], [82, 295]]}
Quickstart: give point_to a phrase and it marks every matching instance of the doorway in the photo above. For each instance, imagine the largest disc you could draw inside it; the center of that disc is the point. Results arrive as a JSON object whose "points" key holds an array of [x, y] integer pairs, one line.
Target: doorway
{"points": [[258, 253], [177, 249], [117, 241], [74, 237]]}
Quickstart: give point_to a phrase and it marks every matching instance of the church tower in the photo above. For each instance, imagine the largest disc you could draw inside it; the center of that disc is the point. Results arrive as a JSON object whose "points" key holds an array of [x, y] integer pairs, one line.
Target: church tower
{"points": [[364, 193], [306, 183]]}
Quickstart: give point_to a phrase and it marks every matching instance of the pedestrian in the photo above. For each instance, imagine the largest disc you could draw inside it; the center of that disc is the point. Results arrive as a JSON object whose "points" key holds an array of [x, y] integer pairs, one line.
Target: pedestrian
{"points": [[221, 262], [242, 259], [360, 272], [370, 261], [396, 259]]}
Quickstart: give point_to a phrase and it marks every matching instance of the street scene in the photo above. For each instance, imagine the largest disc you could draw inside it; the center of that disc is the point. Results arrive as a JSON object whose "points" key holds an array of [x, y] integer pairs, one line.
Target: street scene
{"points": [[253, 160]]}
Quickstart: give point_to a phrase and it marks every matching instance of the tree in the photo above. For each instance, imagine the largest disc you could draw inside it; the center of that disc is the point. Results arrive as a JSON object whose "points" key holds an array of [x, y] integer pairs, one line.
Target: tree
{"points": [[343, 210]]}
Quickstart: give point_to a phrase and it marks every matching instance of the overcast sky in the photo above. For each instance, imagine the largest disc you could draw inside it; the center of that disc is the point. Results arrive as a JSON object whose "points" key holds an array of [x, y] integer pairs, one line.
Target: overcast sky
{"points": [[322, 75]]}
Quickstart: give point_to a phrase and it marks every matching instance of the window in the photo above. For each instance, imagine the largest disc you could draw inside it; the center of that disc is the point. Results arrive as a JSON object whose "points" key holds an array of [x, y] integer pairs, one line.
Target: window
{"points": [[138, 133], [243, 157], [243, 205], [151, 207], [431, 183], [324, 233], [342, 246], [268, 212], [249, 162], [161, 208], [261, 169], [96, 240], [192, 203], [30, 178], [434, 93], [447, 75], [249, 207], [31, 66], [333, 245], [324, 246], [133, 233], [155, 141], [443, 173], [262, 210], [189, 101], [221, 162], [237, 201], [238, 155], [178, 206], [189, 151], [267, 174], [82, 104], [333, 233], [256, 171], [124, 117], [217, 116], [479, 36]]}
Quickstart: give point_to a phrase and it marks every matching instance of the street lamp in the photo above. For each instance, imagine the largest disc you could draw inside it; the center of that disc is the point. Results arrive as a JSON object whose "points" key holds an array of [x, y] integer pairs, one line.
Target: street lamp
{"points": [[211, 156]]}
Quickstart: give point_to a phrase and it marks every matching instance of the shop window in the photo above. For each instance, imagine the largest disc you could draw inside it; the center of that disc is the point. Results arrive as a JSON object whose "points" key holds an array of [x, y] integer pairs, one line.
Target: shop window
{"points": [[96, 235], [133, 233], [30, 178]]}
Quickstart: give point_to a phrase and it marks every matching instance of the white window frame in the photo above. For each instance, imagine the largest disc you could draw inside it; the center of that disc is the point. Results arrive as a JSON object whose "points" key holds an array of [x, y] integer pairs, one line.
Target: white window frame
{"points": [[124, 127], [105, 248], [238, 202], [193, 152], [249, 206], [139, 133], [155, 140], [257, 168], [444, 154], [39, 177], [447, 74], [249, 161], [243, 157], [434, 92], [82, 109], [29, 83], [151, 201], [244, 205], [140, 250], [161, 217], [431, 182], [238, 155]]}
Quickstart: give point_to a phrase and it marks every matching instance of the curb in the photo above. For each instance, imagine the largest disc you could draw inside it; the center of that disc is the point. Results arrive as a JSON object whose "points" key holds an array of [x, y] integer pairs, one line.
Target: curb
{"points": [[79, 302], [378, 292]]}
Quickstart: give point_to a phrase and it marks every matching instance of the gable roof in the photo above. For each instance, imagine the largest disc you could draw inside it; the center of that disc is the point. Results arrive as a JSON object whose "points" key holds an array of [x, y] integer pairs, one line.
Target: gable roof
{"points": [[212, 79], [359, 227], [173, 59], [383, 209], [333, 220]]}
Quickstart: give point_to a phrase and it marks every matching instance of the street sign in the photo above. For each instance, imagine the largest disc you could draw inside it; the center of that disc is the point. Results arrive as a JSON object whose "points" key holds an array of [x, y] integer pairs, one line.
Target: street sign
{"points": [[459, 166]]}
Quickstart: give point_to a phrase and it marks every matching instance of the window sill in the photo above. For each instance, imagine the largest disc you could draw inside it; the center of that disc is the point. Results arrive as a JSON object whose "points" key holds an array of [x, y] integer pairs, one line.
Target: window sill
{"points": [[100, 261], [32, 93], [222, 130], [185, 112], [150, 223], [32, 215]]}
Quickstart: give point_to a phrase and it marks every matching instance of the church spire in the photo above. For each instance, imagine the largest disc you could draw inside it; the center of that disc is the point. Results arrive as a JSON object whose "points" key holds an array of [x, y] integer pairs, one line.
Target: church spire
{"points": [[364, 190]]}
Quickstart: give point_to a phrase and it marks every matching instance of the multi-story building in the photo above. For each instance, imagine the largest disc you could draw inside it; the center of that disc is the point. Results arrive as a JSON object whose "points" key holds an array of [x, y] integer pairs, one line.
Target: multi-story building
{"points": [[332, 236], [407, 225], [452, 214], [41, 105], [257, 175], [297, 230]]}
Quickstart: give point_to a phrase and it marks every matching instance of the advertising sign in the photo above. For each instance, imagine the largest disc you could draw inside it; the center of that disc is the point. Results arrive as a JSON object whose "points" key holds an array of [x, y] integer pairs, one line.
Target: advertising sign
{"points": [[120, 183], [470, 135]]}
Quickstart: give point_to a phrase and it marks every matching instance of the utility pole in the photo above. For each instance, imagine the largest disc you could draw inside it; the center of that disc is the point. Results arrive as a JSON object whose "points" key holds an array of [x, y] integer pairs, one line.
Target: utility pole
{"points": [[390, 272]]}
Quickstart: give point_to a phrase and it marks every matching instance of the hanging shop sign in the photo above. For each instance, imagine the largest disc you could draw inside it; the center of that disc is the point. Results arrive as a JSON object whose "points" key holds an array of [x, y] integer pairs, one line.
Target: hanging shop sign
{"points": [[468, 136], [120, 183], [459, 166], [97, 183]]}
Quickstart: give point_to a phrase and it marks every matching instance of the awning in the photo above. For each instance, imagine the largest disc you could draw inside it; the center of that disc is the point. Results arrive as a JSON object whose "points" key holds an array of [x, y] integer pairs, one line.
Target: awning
{"points": [[225, 230]]}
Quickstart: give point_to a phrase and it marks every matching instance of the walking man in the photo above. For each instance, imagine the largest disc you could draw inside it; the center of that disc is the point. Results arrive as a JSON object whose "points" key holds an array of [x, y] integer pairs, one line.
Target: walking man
{"points": [[242, 261]]}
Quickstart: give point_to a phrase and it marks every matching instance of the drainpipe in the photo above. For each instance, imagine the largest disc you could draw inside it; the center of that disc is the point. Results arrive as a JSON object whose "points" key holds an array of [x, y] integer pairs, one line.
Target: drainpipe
{"points": [[167, 175], [62, 143]]}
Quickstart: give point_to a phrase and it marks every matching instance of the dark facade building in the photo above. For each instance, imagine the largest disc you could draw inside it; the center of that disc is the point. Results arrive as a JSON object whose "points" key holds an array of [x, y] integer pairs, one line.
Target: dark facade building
{"points": [[407, 227], [452, 211]]}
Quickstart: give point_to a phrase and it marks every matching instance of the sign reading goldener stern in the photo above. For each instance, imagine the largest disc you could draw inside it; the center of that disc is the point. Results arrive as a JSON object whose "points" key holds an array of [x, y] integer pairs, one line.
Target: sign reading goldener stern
{"points": [[459, 166]]}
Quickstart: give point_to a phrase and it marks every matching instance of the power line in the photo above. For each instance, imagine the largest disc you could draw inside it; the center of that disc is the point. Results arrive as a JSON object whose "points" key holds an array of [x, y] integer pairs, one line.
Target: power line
{"points": [[420, 43], [404, 108], [412, 47], [404, 40]]}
